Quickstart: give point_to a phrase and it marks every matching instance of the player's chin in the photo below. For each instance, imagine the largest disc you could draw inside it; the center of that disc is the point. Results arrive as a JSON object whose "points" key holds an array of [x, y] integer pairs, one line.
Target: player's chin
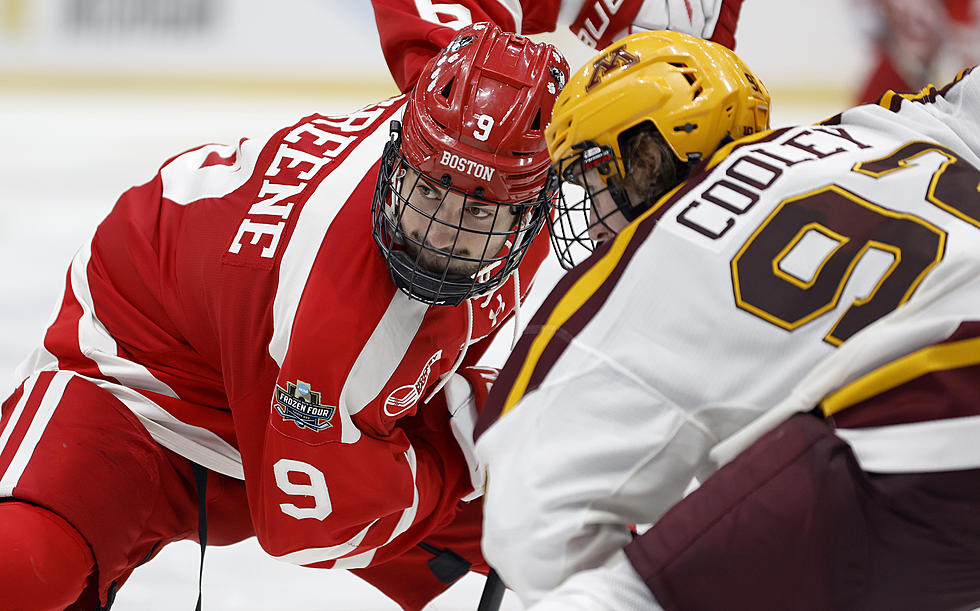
{"points": [[453, 267]]}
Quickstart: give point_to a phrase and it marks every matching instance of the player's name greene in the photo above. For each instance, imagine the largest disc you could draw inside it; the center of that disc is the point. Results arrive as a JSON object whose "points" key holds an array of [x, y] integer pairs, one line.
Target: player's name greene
{"points": [[304, 151], [717, 205]]}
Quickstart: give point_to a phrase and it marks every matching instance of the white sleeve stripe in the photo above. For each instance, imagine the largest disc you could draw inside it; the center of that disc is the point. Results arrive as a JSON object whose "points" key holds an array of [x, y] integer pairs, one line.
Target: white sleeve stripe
{"points": [[358, 561], [408, 516], [383, 352], [516, 13], [32, 437], [312, 225], [37, 361], [16, 413], [936, 445], [313, 555], [94, 339], [192, 442]]}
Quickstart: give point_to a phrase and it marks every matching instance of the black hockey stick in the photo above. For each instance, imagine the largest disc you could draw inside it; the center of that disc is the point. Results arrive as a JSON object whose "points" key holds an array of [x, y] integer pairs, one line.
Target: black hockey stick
{"points": [[493, 593]]}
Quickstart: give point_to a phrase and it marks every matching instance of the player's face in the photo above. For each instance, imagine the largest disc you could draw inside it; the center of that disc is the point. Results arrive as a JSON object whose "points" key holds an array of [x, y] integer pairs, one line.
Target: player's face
{"points": [[448, 226], [605, 219]]}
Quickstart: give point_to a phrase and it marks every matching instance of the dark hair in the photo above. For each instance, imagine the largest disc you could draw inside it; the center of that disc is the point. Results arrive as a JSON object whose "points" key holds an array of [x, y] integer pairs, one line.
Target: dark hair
{"points": [[652, 168]]}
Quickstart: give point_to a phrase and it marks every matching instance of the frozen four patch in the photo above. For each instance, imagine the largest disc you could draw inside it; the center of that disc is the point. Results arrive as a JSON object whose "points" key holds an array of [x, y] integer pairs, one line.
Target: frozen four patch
{"points": [[301, 404]]}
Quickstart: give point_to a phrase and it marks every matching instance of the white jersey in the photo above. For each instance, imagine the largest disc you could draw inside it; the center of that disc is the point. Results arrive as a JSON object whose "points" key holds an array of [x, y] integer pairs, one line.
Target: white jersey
{"points": [[776, 279]]}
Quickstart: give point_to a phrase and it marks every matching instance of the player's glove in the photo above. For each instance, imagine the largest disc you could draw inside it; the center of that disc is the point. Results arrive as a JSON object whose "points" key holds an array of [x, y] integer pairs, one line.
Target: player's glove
{"points": [[599, 24], [466, 392]]}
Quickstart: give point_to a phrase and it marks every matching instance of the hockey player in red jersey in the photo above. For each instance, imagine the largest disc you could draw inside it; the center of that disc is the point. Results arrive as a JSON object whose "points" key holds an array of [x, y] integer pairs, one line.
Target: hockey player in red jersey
{"points": [[805, 302], [914, 41], [412, 30], [233, 333]]}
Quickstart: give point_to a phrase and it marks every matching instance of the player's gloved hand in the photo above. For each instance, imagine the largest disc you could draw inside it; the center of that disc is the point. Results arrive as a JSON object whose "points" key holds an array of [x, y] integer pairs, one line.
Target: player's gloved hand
{"points": [[599, 24], [693, 17], [466, 392], [709, 19]]}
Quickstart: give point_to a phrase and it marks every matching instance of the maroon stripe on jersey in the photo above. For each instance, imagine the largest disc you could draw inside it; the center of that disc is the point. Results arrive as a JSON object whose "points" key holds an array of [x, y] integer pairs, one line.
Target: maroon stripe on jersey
{"points": [[24, 420], [927, 95], [951, 393], [574, 325], [834, 120]]}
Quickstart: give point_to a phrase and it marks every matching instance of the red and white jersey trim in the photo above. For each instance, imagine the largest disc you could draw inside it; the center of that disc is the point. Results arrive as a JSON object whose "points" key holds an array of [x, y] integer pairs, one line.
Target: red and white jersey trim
{"points": [[211, 181], [94, 340], [383, 352], [193, 442], [39, 417], [314, 221]]}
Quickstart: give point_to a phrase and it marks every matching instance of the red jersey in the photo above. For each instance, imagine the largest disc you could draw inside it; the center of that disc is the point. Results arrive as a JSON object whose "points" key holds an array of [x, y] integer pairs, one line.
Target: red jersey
{"points": [[237, 304], [413, 31]]}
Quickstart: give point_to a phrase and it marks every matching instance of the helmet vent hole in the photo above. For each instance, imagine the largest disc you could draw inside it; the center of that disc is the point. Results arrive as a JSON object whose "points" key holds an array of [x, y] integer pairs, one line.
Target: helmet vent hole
{"points": [[685, 71], [448, 89], [697, 92], [536, 124]]}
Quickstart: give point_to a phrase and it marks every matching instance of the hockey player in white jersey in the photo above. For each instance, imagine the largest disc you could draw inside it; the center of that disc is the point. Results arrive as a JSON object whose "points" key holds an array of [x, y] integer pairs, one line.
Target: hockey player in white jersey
{"points": [[806, 302]]}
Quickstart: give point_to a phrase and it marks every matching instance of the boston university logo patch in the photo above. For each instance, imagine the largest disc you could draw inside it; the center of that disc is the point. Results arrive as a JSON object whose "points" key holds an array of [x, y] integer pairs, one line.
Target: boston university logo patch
{"points": [[406, 397], [301, 404]]}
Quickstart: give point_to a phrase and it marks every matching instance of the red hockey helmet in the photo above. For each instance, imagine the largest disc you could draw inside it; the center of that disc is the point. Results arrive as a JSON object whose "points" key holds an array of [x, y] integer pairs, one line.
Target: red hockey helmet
{"points": [[474, 127], [479, 111]]}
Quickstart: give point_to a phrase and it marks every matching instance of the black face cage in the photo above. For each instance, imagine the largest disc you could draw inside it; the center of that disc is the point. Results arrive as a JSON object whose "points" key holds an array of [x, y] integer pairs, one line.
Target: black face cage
{"points": [[424, 272], [574, 215]]}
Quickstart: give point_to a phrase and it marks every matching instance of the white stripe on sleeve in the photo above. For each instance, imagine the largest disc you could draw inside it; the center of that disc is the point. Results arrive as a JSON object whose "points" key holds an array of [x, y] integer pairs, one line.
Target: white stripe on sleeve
{"points": [[52, 395], [919, 447]]}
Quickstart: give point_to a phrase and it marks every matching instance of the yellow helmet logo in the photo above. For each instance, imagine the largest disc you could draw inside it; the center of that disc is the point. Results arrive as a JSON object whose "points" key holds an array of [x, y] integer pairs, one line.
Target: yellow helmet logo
{"points": [[617, 57]]}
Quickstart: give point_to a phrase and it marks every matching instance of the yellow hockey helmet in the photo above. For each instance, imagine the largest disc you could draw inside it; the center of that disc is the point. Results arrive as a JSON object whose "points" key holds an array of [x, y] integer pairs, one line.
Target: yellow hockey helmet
{"points": [[695, 92]]}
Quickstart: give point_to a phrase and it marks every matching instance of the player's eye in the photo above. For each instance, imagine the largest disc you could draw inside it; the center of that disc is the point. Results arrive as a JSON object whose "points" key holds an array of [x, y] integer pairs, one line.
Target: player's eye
{"points": [[480, 212], [428, 190]]}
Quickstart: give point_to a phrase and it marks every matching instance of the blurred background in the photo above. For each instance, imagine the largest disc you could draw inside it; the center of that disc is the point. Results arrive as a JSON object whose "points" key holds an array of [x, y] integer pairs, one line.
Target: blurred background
{"points": [[96, 94]]}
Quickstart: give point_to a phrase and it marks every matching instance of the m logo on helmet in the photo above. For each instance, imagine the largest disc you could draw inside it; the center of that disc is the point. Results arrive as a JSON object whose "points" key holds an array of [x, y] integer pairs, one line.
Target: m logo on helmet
{"points": [[615, 58]]}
